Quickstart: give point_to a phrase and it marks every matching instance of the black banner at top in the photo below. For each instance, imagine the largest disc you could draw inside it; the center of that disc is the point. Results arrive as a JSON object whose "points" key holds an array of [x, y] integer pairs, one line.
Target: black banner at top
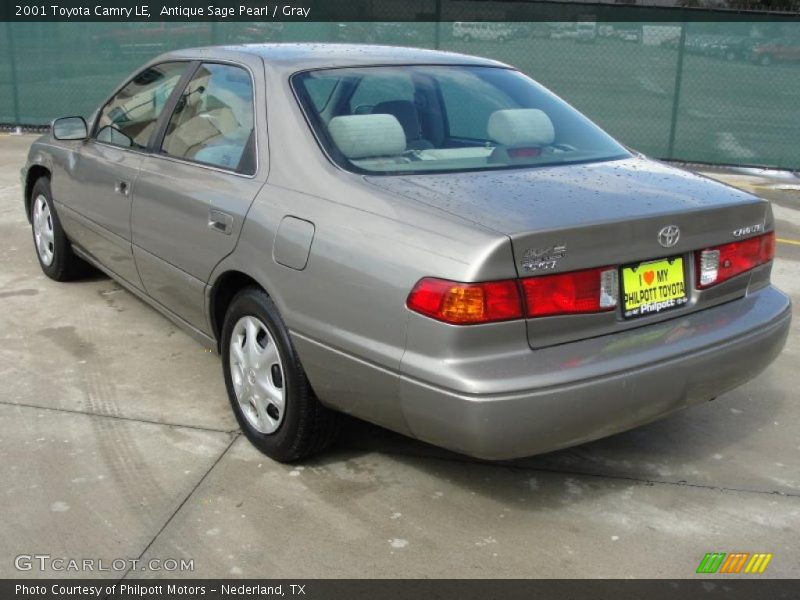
{"points": [[394, 10]]}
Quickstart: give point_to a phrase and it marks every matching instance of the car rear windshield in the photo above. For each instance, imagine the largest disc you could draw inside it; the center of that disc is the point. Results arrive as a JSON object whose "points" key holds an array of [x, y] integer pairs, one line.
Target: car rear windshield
{"points": [[421, 119]]}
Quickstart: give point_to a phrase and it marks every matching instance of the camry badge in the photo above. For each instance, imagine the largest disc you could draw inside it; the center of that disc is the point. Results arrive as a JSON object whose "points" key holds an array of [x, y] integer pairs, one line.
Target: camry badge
{"points": [[750, 230], [669, 236]]}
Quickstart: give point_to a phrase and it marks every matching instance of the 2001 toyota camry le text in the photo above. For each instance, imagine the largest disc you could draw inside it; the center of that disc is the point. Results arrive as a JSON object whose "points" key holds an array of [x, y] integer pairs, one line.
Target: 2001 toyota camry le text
{"points": [[428, 241]]}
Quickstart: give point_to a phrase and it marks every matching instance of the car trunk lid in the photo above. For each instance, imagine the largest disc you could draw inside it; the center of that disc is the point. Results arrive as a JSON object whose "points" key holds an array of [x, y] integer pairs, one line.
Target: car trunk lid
{"points": [[571, 217]]}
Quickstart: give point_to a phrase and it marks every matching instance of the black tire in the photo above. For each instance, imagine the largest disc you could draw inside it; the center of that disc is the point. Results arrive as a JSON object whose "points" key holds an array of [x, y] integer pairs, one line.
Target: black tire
{"points": [[65, 265], [307, 427]]}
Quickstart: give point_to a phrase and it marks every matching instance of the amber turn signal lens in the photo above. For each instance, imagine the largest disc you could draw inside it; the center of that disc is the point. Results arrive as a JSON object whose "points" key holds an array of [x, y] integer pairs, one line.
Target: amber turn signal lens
{"points": [[466, 303]]}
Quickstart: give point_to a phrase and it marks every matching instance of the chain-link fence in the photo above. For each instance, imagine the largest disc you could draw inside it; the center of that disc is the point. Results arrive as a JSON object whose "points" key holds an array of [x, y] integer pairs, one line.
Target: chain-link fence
{"points": [[707, 92]]}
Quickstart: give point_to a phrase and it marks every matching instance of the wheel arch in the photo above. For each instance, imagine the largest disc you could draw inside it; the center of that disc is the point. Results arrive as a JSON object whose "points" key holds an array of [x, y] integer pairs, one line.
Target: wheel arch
{"points": [[35, 172], [222, 292]]}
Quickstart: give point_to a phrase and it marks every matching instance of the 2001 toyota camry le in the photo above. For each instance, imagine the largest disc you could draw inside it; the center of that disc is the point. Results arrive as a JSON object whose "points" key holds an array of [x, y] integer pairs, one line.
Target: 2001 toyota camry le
{"points": [[428, 241]]}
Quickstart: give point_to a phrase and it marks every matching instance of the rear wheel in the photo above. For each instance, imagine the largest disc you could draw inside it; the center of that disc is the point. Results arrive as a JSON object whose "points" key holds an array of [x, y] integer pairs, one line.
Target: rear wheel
{"points": [[266, 384], [53, 249]]}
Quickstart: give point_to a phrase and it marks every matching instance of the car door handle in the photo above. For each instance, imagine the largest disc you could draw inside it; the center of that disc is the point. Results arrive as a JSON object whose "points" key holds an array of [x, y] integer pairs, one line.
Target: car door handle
{"points": [[122, 187], [220, 221]]}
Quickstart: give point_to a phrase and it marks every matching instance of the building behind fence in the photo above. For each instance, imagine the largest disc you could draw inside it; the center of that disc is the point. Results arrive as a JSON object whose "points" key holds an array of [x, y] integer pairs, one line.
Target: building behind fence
{"points": [[706, 92]]}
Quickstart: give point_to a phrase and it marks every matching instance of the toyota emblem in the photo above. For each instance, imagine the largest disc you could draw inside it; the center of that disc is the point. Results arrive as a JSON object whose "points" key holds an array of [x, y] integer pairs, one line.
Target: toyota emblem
{"points": [[669, 236]]}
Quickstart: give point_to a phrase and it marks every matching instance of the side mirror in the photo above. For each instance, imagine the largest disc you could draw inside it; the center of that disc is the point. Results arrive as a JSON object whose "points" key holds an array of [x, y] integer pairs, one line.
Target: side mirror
{"points": [[70, 128]]}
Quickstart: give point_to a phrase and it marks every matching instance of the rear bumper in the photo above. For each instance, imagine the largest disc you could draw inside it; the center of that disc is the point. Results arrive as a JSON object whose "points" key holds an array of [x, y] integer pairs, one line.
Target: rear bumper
{"points": [[577, 392]]}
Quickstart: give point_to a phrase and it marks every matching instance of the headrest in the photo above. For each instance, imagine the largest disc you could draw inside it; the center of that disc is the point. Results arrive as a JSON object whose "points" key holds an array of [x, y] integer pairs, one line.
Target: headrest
{"points": [[406, 113], [367, 136], [518, 127]]}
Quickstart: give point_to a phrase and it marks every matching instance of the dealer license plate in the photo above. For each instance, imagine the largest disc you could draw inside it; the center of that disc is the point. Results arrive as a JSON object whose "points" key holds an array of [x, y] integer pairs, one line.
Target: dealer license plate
{"points": [[653, 287]]}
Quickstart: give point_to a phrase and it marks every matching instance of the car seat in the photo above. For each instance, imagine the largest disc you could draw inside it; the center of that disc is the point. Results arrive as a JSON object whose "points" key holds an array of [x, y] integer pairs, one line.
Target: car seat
{"points": [[406, 113]]}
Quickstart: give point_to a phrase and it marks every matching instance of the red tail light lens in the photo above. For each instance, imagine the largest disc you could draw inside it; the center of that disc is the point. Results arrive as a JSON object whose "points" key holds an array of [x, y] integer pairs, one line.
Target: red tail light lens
{"points": [[720, 263], [588, 291], [466, 303], [592, 290]]}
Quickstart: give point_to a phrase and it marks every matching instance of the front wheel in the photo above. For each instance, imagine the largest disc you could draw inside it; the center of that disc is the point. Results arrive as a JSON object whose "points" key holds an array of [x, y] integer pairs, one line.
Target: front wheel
{"points": [[266, 384], [53, 249]]}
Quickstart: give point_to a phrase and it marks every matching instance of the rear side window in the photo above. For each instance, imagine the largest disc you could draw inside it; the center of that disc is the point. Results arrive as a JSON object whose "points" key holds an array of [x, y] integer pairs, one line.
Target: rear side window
{"points": [[213, 120], [130, 117], [320, 90]]}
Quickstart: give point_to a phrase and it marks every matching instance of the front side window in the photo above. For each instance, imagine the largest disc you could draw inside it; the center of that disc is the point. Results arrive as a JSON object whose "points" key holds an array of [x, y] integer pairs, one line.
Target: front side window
{"points": [[213, 120], [130, 117], [408, 119]]}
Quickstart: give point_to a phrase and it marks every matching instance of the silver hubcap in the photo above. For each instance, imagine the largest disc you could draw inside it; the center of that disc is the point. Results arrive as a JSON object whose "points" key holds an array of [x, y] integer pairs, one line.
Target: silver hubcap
{"points": [[43, 230], [257, 374]]}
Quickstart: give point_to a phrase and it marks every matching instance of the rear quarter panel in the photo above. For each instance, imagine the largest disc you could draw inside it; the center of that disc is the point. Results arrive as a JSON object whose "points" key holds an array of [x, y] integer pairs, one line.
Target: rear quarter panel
{"points": [[346, 309]]}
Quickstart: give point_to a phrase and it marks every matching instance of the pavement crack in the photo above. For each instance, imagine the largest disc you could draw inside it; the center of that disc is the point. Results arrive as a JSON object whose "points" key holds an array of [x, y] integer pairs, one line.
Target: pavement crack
{"points": [[117, 417], [465, 460], [181, 505]]}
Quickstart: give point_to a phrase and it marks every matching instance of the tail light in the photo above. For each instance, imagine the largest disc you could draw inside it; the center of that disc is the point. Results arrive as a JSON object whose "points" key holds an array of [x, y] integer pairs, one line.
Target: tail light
{"points": [[717, 264], [587, 291], [466, 303], [592, 290]]}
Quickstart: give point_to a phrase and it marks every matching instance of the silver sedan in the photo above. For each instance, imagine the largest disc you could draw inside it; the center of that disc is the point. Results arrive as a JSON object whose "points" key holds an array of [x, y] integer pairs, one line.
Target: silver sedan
{"points": [[429, 241]]}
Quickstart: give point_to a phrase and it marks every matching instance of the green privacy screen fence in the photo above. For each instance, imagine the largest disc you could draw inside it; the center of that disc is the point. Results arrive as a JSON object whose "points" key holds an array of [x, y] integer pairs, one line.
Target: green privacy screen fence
{"points": [[708, 92]]}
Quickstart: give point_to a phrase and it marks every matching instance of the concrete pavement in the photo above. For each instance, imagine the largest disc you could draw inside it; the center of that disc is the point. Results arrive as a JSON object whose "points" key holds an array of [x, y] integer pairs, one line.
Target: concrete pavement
{"points": [[118, 443]]}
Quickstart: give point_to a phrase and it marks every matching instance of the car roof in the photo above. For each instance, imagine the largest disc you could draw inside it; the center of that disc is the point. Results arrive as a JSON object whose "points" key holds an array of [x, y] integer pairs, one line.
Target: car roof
{"points": [[304, 56]]}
